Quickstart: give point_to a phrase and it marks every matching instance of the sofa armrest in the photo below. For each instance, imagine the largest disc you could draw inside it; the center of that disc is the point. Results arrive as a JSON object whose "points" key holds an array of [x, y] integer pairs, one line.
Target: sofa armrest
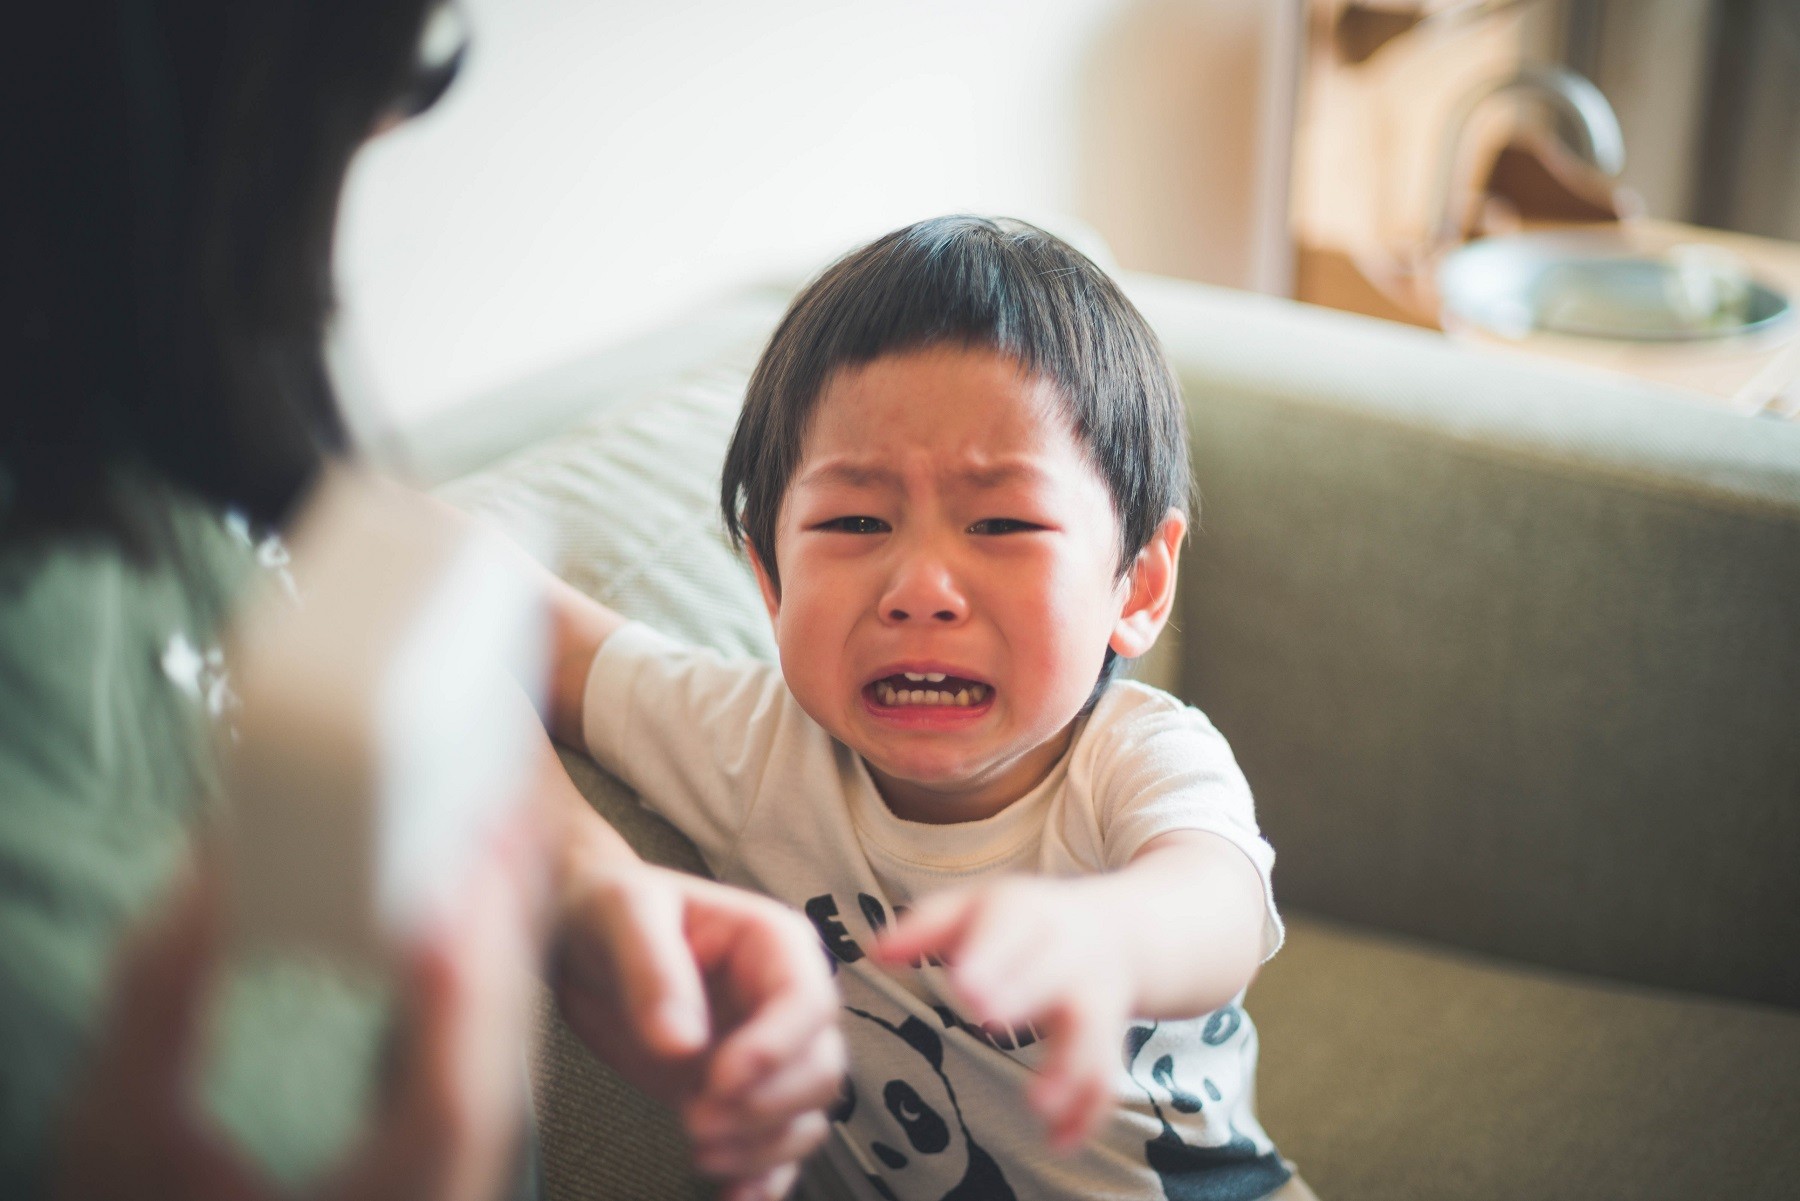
{"points": [[1510, 653]]}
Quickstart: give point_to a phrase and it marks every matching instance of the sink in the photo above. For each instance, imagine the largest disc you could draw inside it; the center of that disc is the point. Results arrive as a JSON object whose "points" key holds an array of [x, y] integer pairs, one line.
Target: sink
{"points": [[1597, 285]]}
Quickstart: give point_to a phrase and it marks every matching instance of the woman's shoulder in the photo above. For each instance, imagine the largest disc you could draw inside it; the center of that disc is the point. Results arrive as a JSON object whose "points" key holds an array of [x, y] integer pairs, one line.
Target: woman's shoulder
{"points": [[108, 654], [181, 558]]}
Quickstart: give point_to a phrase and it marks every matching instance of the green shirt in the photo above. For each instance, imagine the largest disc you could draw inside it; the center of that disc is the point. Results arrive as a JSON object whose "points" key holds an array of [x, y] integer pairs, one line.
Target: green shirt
{"points": [[110, 688]]}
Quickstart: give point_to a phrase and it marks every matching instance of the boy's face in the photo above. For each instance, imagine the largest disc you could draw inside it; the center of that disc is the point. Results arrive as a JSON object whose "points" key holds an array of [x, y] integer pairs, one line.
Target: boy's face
{"points": [[946, 535]]}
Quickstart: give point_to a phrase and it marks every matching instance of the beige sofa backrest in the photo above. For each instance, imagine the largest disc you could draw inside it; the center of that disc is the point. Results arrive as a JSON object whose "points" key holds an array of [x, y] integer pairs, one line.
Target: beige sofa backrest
{"points": [[1511, 655]]}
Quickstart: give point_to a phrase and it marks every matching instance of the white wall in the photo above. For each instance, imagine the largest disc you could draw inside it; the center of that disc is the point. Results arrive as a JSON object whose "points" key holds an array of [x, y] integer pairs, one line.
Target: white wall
{"points": [[1185, 138], [603, 163]]}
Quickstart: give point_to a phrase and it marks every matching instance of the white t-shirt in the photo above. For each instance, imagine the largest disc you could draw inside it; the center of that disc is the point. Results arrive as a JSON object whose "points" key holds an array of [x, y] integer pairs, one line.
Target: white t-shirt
{"points": [[935, 1107]]}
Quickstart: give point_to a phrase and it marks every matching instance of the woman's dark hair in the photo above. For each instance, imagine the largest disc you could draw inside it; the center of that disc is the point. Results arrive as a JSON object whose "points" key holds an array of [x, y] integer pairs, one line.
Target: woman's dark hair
{"points": [[996, 284], [169, 254]]}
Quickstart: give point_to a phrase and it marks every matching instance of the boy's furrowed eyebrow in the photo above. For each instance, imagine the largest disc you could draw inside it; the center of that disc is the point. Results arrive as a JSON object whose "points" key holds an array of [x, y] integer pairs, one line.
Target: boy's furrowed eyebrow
{"points": [[853, 475], [867, 475], [1017, 472]]}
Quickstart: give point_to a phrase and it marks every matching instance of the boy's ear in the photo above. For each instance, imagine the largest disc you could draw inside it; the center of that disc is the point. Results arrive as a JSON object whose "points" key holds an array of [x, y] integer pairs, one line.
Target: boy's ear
{"points": [[1150, 589], [771, 598]]}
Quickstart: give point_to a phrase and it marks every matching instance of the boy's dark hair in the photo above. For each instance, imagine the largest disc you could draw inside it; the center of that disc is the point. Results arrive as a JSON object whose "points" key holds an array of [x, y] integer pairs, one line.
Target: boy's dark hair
{"points": [[996, 284]]}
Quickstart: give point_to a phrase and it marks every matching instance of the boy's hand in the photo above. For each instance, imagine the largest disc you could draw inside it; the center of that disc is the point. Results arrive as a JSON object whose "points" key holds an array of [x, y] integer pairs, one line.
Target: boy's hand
{"points": [[1176, 933], [1038, 951]]}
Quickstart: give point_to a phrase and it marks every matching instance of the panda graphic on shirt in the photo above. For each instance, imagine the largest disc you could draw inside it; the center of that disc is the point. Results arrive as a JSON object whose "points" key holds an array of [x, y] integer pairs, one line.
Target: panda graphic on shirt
{"points": [[914, 1127], [912, 1133]]}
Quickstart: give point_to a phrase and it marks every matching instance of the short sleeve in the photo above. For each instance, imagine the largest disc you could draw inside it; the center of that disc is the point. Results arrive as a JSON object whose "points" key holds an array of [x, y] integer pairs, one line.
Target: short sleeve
{"points": [[1157, 765], [690, 731]]}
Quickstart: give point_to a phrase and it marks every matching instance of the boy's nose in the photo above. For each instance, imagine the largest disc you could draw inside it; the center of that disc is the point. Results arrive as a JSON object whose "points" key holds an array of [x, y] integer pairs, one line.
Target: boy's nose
{"points": [[923, 591]]}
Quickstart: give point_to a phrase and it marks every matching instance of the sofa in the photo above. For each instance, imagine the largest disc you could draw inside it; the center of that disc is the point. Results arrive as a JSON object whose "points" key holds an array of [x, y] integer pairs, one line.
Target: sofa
{"points": [[1511, 656]]}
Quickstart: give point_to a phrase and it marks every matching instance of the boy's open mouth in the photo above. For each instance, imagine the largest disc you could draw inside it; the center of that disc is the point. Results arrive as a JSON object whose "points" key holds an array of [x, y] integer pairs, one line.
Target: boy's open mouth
{"points": [[928, 688]]}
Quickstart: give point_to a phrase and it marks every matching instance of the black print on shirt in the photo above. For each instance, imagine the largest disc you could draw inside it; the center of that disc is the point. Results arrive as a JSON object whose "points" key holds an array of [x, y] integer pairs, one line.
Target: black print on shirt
{"points": [[822, 910], [995, 1035], [907, 1129], [1231, 1171]]}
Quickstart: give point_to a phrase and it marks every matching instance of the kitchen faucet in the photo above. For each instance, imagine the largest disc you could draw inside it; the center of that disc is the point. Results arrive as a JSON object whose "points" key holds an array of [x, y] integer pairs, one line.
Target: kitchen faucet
{"points": [[1597, 128]]}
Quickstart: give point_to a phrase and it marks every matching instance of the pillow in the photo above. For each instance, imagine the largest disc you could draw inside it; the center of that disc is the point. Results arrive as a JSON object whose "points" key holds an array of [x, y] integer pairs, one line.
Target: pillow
{"points": [[625, 507]]}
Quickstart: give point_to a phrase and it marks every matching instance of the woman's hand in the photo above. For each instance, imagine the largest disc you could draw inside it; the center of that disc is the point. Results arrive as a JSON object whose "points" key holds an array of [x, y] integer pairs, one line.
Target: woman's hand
{"points": [[712, 1000], [448, 1123]]}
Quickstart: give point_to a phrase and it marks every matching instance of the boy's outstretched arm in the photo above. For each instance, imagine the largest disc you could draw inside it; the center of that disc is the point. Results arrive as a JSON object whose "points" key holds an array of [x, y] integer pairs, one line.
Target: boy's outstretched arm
{"points": [[1174, 934]]}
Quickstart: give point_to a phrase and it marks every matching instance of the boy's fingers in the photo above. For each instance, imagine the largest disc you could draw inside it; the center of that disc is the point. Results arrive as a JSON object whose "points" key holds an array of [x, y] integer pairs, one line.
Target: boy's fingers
{"points": [[935, 927], [1079, 1114], [994, 944], [1075, 1084], [1058, 1071], [979, 938], [1064, 1103], [1014, 980]]}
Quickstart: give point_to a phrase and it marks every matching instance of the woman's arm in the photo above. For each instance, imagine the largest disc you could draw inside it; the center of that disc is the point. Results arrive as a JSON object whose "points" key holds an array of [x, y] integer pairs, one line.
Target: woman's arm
{"points": [[711, 999], [578, 624]]}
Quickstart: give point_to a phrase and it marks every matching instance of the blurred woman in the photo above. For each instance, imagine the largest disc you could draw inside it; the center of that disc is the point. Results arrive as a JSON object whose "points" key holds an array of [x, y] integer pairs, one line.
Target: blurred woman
{"points": [[174, 191]]}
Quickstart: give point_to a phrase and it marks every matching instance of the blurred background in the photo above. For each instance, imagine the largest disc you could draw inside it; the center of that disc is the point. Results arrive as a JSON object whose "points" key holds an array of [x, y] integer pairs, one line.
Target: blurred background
{"points": [[604, 164]]}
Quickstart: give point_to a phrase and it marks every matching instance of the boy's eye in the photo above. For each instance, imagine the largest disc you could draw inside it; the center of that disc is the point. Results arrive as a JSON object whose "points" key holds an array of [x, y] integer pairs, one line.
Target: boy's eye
{"points": [[1001, 525], [854, 525]]}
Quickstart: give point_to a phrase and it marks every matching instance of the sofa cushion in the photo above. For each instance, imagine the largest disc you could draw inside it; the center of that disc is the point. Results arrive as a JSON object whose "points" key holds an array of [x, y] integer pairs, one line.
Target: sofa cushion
{"points": [[1394, 1070], [1506, 651]]}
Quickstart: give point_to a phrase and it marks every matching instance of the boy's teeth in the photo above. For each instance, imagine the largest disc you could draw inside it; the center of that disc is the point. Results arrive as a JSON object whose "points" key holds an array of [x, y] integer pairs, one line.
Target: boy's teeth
{"points": [[914, 676], [887, 694], [936, 677]]}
